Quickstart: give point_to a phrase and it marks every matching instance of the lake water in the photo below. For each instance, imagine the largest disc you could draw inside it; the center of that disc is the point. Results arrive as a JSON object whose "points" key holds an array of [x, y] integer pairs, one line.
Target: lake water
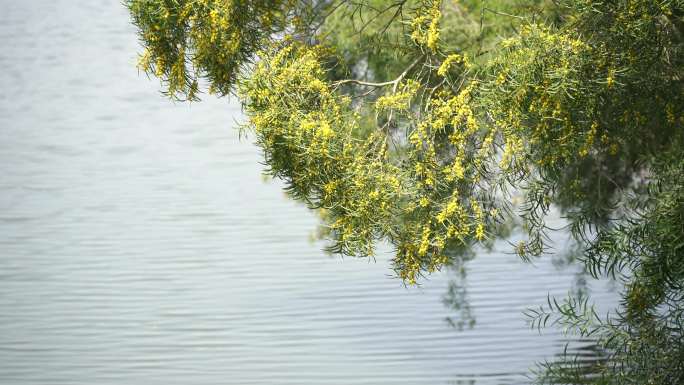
{"points": [[140, 245]]}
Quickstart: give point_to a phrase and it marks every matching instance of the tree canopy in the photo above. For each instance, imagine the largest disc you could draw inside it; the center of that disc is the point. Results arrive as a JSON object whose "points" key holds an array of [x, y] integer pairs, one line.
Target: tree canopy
{"points": [[436, 126]]}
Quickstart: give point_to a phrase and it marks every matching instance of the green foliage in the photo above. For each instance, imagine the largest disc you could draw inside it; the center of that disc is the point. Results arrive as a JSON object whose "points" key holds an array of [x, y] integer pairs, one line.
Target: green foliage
{"points": [[438, 125], [187, 40]]}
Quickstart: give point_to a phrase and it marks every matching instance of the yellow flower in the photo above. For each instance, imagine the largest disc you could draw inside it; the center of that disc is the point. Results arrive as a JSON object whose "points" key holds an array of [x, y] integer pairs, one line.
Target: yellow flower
{"points": [[444, 68], [398, 101], [610, 80], [501, 79], [479, 232], [425, 241]]}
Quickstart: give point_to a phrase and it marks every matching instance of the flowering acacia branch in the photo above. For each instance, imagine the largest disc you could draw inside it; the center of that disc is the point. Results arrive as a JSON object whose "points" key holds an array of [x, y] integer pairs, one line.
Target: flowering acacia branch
{"points": [[505, 121]]}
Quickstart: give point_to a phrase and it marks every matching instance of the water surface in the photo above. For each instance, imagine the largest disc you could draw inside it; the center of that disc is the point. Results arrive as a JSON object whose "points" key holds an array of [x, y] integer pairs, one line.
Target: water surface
{"points": [[139, 244]]}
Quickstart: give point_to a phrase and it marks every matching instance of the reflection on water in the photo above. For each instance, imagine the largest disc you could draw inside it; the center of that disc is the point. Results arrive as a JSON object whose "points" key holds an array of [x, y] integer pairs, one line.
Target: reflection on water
{"points": [[579, 362], [456, 300], [139, 245]]}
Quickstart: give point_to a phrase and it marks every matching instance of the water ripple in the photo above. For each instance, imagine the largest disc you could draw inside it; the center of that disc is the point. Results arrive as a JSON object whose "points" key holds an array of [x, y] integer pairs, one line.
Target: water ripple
{"points": [[140, 246]]}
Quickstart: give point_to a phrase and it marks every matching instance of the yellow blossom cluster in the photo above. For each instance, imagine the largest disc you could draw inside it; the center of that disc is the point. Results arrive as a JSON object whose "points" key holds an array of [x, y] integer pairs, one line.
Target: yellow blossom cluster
{"points": [[449, 61], [425, 26], [307, 134], [186, 40]]}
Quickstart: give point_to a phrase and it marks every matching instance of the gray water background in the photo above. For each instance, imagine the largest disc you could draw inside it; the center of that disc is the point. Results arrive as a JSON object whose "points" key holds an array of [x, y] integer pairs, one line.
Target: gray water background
{"points": [[140, 245]]}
